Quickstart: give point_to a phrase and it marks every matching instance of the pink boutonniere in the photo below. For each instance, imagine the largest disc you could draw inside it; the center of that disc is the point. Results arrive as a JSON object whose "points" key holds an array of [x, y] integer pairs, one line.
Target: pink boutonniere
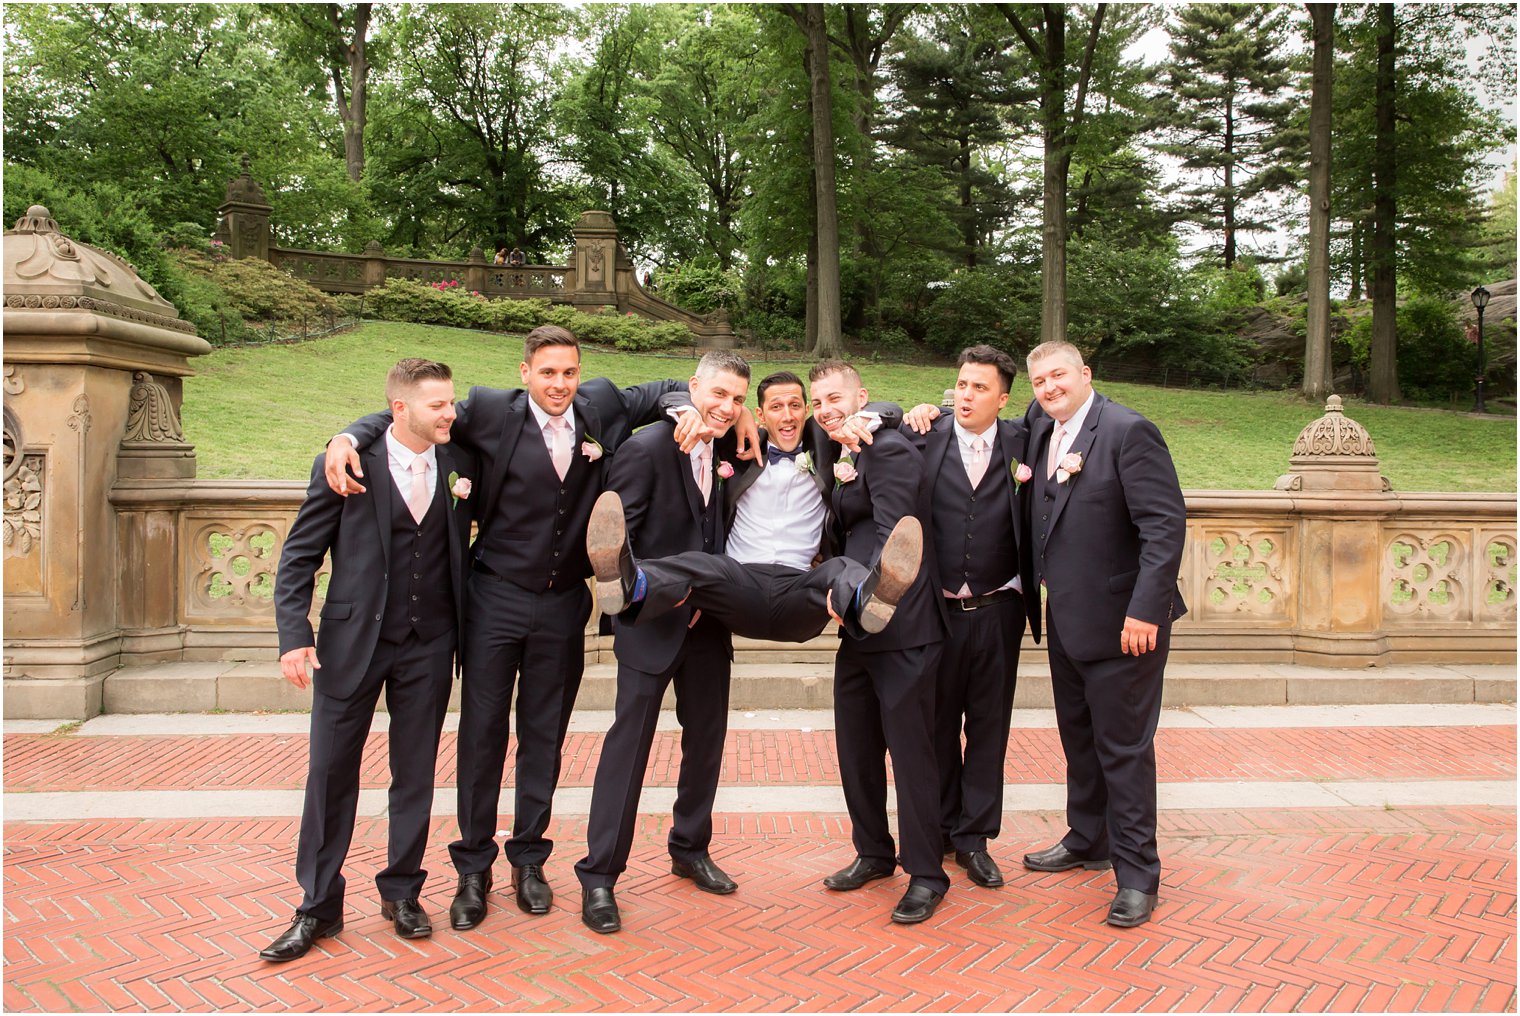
{"points": [[1021, 474], [844, 471], [591, 449], [459, 487], [725, 470], [1071, 464]]}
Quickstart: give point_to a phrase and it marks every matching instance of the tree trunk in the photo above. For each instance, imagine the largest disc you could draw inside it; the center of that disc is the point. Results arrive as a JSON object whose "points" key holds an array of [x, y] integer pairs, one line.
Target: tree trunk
{"points": [[1229, 177], [1317, 377], [350, 57], [1383, 380], [1354, 289], [829, 342]]}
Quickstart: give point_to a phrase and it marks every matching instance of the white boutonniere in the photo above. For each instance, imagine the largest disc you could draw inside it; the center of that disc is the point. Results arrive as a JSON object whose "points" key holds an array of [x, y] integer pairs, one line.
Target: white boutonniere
{"points": [[844, 471], [804, 462], [459, 487], [1071, 464], [591, 448]]}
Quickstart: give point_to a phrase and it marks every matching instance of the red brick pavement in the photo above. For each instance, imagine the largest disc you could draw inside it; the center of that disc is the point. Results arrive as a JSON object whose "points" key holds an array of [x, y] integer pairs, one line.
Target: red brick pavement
{"points": [[774, 757], [1347, 909]]}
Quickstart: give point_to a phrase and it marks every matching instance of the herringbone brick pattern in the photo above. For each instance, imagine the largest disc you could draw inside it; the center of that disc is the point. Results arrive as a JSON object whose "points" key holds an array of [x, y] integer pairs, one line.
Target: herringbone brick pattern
{"points": [[1350, 909], [773, 757]]}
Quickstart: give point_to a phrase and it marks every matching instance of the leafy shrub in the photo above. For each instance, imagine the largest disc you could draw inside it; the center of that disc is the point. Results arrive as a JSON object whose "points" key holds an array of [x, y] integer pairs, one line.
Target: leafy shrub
{"points": [[771, 330], [979, 305], [233, 301], [700, 287], [1435, 360]]}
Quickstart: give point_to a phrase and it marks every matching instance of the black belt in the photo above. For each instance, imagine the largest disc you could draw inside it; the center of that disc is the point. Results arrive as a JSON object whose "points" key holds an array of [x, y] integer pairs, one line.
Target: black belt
{"points": [[985, 600]]}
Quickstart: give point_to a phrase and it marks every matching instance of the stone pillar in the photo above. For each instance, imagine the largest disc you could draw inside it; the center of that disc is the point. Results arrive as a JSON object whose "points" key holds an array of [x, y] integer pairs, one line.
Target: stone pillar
{"points": [[475, 271], [1334, 471], [244, 218], [594, 264], [93, 364]]}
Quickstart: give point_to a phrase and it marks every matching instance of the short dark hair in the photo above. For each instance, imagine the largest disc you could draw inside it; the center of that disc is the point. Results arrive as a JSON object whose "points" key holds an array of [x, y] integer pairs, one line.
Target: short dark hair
{"points": [[548, 335], [1006, 367], [781, 377], [826, 367], [412, 371]]}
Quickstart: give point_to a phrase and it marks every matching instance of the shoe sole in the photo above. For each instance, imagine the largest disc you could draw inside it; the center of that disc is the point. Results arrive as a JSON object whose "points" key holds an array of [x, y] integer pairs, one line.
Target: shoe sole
{"points": [[534, 911], [918, 919], [901, 556], [465, 926], [605, 535], [724, 891], [1089, 865], [603, 931], [329, 933]]}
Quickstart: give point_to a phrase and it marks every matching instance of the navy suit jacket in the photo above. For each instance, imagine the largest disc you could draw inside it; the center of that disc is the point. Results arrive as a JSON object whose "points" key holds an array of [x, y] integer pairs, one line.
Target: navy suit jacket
{"points": [[662, 508], [357, 531], [1107, 542], [939, 451]]}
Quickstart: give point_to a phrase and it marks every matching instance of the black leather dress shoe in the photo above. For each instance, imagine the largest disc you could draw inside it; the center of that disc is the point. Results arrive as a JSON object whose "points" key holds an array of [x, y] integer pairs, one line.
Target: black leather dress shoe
{"points": [[918, 904], [858, 873], [533, 894], [469, 906], [599, 911], [1130, 908], [611, 560], [1058, 858], [410, 919], [895, 571], [980, 868], [708, 876], [298, 938]]}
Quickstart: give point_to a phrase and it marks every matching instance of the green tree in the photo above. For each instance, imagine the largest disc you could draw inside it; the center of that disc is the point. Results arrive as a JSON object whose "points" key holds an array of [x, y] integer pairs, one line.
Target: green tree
{"points": [[335, 39], [1228, 106]]}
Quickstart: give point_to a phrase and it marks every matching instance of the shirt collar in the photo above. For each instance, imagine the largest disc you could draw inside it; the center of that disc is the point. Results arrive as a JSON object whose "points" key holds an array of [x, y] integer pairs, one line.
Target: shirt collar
{"points": [[965, 436], [403, 456], [696, 451], [542, 418]]}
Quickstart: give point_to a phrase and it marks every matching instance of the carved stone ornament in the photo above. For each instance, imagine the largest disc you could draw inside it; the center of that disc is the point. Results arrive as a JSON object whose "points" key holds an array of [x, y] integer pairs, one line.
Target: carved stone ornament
{"points": [[1333, 453], [47, 271], [150, 413], [23, 493], [596, 254], [244, 189], [15, 384]]}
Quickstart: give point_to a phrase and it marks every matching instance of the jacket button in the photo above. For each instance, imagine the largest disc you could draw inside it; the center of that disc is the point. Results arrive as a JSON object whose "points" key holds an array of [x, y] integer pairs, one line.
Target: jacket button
{"points": [[377, 617], [414, 596]]}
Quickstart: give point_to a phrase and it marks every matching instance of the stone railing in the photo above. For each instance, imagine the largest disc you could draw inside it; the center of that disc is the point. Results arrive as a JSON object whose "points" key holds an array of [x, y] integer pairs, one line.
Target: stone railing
{"points": [[1269, 576], [355, 273]]}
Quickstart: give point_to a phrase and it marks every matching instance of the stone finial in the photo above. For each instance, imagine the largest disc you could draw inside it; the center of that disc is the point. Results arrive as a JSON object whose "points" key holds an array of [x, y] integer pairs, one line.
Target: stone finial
{"points": [[36, 220], [1333, 453], [244, 189]]}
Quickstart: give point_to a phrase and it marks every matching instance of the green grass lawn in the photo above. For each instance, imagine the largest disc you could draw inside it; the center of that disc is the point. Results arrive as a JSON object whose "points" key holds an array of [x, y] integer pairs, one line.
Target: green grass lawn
{"points": [[264, 412]]}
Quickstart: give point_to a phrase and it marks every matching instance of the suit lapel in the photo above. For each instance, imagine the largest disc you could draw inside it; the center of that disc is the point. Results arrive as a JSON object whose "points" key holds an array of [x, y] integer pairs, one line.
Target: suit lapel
{"points": [[377, 466], [937, 447], [445, 467], [689, 483], [511, 430], [1082, 446]]}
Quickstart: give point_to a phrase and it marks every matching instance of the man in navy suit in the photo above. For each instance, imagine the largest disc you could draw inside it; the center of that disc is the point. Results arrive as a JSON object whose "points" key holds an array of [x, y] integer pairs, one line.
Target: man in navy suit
{"points": [[884, 682], [1106, 537], [392, 618], [672, 503], [544, 452], [974, 464]]}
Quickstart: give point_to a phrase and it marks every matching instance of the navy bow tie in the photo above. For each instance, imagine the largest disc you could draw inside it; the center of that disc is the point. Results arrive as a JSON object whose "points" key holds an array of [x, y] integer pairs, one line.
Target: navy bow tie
{"points": [[774, 455]]}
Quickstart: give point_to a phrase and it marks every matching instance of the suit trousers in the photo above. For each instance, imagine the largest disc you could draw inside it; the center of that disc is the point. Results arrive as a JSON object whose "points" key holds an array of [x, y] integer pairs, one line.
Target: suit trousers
{"points": [[700, 673], [978, 673], [884, 703], [416, 677], [1106, 712], [758, 601], [533, 642]]}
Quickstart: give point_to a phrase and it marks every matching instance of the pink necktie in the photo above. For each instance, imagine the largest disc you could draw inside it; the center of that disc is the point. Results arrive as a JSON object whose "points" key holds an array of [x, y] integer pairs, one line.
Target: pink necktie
{"points": [[704, 472], [1055, 451], [977, 467], [559, 436], [417, 500]]}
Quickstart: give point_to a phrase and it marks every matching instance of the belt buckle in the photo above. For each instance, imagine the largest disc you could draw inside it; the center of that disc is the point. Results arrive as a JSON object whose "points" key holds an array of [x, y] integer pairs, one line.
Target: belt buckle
{"points": [[962, 602]]}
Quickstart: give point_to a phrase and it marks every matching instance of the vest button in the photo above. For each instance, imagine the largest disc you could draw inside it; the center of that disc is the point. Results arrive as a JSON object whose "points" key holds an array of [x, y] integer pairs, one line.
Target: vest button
{"points": [[416, 575], [377, 617], [414, 596]]}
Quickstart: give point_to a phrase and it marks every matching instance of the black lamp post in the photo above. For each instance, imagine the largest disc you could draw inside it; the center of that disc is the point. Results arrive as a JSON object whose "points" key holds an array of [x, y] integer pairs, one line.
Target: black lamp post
{"points": [[1480, 300]]}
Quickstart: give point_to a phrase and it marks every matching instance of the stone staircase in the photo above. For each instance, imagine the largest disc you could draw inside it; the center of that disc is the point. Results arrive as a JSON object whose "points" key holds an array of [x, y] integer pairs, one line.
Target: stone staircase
{"points": [[769, 675]]}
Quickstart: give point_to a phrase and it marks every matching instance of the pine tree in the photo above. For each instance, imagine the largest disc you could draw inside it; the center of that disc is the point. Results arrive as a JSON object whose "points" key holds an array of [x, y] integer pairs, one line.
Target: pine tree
{"points": [[1228, 115]]}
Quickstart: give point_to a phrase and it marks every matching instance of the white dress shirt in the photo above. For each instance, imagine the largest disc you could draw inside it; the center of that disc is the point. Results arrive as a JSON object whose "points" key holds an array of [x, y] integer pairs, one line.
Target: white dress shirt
{"points": [[542, 419], [399, 457], [1070, 429], [779, 519]]}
